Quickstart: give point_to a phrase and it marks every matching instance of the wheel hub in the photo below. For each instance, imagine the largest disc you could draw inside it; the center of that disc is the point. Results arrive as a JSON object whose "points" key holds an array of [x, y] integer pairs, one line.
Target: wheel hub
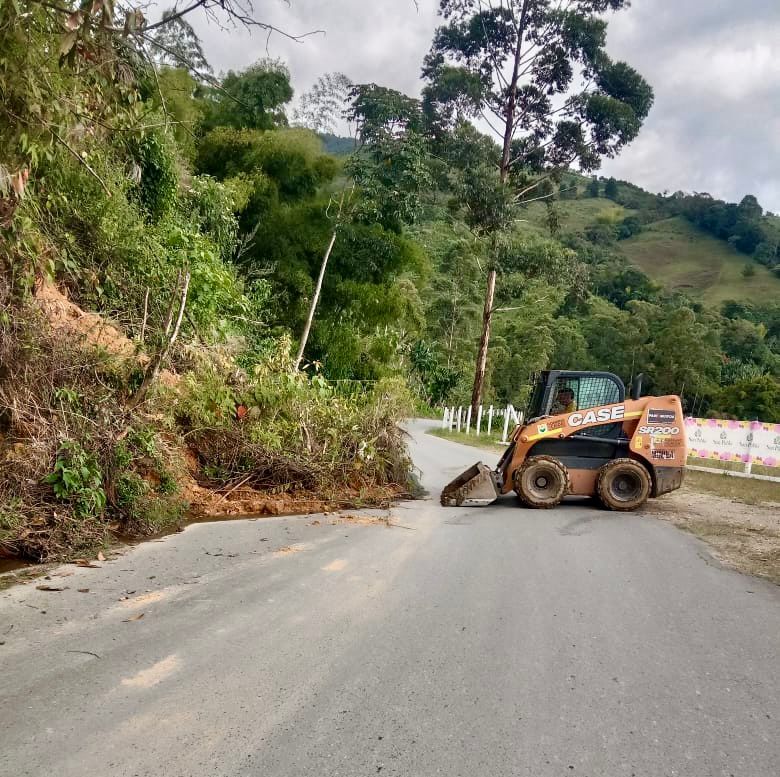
{"points": [[626, 486]]}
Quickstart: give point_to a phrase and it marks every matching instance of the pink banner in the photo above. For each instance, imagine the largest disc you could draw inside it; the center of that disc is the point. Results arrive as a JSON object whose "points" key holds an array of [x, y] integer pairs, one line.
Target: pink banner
{"points": [[743, 441]]}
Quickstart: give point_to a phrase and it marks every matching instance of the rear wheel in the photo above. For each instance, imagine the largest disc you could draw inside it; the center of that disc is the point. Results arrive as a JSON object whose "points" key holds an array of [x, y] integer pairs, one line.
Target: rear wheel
{"points": [[624, 484], [541, 481]]}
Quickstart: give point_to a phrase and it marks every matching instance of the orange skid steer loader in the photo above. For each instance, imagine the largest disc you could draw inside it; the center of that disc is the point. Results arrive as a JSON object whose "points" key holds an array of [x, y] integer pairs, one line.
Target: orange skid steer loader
{"points": [[584, 437]]}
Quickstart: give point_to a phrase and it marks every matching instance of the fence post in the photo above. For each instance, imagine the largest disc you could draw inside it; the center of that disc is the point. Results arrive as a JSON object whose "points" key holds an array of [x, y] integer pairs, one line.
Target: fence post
{"points": [[506, 425], [490, 420], [479, 420], [445, 418], [460, 414], [452, 419], [749, 462], [468, 420]]}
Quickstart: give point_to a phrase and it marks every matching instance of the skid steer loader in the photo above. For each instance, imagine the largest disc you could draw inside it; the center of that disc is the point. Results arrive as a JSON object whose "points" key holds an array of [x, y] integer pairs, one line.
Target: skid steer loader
{"points": [[584, 437]]}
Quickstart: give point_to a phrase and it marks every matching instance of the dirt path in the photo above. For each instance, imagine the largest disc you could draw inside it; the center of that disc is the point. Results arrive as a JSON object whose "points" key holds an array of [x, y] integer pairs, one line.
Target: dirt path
{"points": [[743, 536]]}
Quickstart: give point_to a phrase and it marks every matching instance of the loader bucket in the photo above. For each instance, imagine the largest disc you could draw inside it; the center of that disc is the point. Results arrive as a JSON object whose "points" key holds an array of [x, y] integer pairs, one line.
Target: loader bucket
{"points": [[477, 486]]}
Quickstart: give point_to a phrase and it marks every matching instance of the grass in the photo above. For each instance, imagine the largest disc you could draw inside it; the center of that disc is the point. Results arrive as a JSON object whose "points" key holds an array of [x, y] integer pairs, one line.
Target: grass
{"points": [[733, 466], [683, 258], [492, 443], [740, 489], [575, 215]]}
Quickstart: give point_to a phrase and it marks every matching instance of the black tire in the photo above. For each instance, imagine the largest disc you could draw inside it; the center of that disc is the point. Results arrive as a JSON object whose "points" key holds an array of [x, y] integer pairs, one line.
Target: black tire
{"points": [[541, 481], [623, 485]]}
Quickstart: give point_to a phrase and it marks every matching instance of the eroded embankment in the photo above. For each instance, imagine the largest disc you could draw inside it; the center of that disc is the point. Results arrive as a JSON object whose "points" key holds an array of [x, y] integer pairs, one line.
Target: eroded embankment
{"points": [[82, 460]]}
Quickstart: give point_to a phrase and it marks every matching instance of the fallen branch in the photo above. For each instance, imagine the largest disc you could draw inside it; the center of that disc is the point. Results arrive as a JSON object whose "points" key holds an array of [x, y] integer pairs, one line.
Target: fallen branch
{"points": [[146, 313]]}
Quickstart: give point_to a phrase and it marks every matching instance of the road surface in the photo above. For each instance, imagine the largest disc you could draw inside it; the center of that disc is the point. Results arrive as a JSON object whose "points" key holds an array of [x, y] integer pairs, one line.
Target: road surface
{"points": [[475, 642]]}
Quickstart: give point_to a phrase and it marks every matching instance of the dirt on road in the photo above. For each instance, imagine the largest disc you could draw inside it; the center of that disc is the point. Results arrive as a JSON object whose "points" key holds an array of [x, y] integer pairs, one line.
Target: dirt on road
{"points": [[743, 530]]}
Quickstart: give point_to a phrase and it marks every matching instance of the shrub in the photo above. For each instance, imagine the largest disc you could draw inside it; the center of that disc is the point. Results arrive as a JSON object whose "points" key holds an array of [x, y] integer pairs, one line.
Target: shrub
{"points": [[77, 479], [158, 181]]}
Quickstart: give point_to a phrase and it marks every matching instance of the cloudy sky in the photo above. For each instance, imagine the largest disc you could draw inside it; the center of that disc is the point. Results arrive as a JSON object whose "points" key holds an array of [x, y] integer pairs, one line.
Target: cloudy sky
{"points": [[714, 65]]}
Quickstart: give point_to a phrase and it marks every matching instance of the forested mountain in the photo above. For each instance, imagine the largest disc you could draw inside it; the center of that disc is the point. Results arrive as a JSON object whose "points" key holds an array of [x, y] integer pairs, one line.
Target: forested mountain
{"points": [[195, 285]]}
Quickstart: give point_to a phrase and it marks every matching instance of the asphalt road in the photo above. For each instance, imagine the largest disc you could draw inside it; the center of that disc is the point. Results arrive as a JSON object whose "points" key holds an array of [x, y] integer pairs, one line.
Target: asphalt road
{"points": [[475, 642]]}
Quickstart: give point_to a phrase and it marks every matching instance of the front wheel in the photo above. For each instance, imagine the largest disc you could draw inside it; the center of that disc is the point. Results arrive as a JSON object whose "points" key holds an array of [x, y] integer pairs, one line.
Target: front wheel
{"points": [[624, 484], [541, 481]]}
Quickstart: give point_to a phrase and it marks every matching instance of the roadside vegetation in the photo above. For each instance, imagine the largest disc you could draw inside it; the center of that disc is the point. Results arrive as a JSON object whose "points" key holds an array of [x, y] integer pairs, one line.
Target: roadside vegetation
{"points": [[212, 302]]}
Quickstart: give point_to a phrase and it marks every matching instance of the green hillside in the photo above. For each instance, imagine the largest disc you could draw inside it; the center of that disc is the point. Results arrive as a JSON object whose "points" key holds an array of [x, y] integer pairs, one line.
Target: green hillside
{"points": [[672, 251], [681, 257], [575, 215]]}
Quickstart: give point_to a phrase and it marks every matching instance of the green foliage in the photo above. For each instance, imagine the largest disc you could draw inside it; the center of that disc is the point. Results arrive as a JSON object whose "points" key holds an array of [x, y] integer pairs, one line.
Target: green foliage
{"points": [[129, 488], [176, 44], [756, 398], [435, 381], [322, 107], [292, 159], [380, 112], [630, 226], [77, 478], [295, 430], [253, 98], [621, 284], [211, 206], [392, 169], [468, 71], [487, 202], [742, 225], [176, 99], [54, 81], [157, 187]]}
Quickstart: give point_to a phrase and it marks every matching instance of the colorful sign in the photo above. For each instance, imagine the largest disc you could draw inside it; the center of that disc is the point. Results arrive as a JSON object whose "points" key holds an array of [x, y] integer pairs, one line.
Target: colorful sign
{"points": [[744, 441]]}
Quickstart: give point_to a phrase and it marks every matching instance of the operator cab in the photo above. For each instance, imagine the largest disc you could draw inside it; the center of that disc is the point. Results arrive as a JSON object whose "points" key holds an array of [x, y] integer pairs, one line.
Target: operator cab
{"points": [[587, 389]]}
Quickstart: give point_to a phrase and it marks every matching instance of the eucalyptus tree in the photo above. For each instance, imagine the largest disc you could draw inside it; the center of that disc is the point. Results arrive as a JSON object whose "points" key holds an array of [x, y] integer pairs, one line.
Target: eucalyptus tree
{"points": [[323, 106], [536, 72]]}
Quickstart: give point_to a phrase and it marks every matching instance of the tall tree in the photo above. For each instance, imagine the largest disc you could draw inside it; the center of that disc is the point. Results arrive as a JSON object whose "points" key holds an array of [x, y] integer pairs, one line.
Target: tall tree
{"points": [[513, 64], [174, 42], [323, 106]]}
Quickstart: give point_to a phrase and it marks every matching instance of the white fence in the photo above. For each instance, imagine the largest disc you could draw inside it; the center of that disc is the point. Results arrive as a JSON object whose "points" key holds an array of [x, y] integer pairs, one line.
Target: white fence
{"points": [[712, 439], [458, 419]]}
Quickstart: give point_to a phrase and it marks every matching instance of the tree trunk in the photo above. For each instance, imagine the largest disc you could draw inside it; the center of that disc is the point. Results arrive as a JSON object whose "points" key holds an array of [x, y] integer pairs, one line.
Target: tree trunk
{"points": [[506, 152], [153, 368], [487, 314], [511, 106], [314, 300]]}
